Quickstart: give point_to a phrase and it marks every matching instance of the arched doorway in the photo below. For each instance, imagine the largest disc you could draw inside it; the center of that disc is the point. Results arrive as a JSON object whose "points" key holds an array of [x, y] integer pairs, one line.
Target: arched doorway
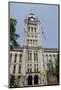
{"points": [[36, 79], [29, 80]]}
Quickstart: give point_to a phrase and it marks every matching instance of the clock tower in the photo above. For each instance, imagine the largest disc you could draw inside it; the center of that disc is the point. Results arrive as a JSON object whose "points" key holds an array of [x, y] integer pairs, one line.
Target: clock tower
{"points": [[32, 62]]}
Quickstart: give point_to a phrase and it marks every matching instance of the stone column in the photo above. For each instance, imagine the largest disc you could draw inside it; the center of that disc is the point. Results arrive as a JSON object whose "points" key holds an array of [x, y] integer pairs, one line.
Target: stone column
{"points": [[18, 57], [17, 64], [11, 69], [32, 80], [41, 60], [17, 68], [23, 68], [39, 80], [13, 57]]}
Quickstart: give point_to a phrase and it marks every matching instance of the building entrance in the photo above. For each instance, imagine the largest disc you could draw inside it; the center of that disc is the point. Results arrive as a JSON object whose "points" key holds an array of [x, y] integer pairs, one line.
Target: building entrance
{"points": [[36, 79], [30, 80]]}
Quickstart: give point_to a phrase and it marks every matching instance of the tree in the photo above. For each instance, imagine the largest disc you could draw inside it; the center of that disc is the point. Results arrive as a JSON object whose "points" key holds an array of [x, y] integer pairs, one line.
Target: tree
{"points": [[14, 82], [57, 68], [13, 35], [54, 71]]}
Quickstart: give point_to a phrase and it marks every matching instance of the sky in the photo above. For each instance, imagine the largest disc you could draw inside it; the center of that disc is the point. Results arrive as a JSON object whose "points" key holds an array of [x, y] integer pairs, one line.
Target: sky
{"points": [[48, 16]]}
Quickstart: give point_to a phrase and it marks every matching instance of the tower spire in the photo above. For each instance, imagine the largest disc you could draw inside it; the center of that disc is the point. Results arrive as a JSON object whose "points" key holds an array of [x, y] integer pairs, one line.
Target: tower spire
{"points": [[31, 12]]}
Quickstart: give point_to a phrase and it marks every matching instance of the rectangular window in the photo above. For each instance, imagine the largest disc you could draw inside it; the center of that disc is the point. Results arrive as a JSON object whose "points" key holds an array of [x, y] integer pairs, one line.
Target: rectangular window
{"points": [[35, 56], [14, 69], [10, 57], [19, 68], [18, 77], [20, 58], [47, 58], [30, 41], [35, 30], [27, 41], [33, 42], [35, 67], [28, 29], [15, 57], [31, 29], [30, 69], [36, 42], [29, 56]]}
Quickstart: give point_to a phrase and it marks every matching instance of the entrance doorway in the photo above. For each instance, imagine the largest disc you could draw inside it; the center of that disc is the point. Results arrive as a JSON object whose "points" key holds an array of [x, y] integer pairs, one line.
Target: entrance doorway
{"points": [[36, 79], [29, 80]]}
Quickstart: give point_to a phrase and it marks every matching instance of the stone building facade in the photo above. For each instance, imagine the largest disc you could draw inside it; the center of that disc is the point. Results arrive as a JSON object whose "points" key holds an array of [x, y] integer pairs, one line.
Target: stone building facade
{"points": [[29, 63]]}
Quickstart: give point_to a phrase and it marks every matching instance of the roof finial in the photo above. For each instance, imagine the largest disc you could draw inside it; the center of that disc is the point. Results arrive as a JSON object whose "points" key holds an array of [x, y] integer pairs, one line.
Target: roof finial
{"points": [[31, 12]]}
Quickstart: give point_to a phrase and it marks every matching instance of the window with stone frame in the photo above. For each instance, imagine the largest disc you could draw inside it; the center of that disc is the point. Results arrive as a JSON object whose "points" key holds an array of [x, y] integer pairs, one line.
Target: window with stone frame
{"points": [[32, 29], [50, 57], [15, 58], [35, 29], [29, 56], [46, 58], [35, 56], [14, 68], [35, 67], [20, 58], [29, 68], [31, 41], [10, 57], [36, 42], [19, 69], [54, 56], [27, 41], [28, 29]]}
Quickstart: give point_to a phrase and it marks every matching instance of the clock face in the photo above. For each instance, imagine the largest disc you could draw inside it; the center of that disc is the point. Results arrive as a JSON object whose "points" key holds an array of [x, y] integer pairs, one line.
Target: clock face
{"points": [[31, 19]]}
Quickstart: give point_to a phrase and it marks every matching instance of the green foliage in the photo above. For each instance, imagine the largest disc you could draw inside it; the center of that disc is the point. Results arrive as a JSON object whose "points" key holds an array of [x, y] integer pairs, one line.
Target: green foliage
{"points": [[13, 35], [14, 82], [54, 71], [57, 68]]}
